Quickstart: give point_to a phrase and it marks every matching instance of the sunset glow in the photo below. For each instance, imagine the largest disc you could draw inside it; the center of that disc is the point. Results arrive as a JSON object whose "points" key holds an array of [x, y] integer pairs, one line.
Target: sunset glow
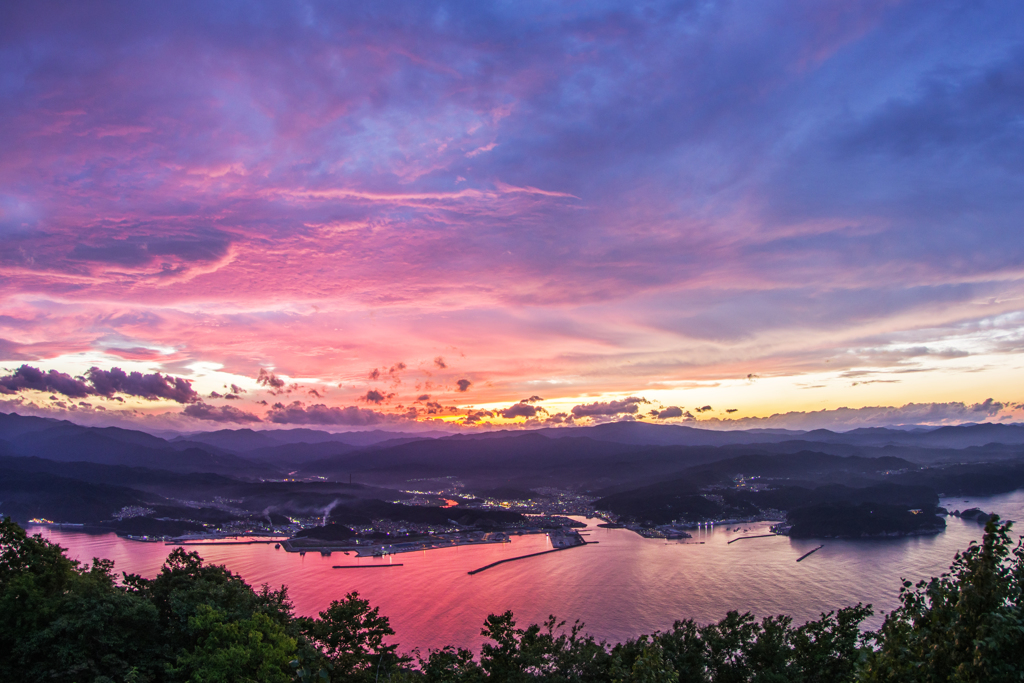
{"points": [[533, 214]]}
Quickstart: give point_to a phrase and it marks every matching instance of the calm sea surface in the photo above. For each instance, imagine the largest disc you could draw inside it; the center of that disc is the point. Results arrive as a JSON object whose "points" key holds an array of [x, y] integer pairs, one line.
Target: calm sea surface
{"points": [[620, 587]]}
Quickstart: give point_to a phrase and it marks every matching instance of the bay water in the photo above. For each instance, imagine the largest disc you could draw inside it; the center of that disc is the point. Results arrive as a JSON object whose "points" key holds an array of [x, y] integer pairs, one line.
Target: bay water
{"points": [[620, 585]]}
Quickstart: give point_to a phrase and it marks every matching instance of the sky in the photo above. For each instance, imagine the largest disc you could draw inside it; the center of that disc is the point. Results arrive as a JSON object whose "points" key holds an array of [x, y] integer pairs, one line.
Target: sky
{"points": [[473, 215]]}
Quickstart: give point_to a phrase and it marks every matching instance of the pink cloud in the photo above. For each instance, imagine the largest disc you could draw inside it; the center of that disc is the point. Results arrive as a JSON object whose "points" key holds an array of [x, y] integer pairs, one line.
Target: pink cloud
{"points": [[601, 199]]}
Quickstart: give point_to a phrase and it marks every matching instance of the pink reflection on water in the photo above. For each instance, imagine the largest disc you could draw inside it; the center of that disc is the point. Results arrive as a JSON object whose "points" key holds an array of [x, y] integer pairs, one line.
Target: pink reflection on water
{"points": [[622, 586]]}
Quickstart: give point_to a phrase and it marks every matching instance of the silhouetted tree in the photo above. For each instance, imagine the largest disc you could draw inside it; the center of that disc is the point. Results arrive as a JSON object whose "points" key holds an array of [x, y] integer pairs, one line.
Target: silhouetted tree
{"points": [[64, 621], [965, 626], [350, 636]]}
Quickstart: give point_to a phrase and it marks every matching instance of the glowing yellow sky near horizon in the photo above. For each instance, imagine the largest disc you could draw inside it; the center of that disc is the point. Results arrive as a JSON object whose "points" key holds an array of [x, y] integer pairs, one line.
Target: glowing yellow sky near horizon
{"points": [[970, 380]]}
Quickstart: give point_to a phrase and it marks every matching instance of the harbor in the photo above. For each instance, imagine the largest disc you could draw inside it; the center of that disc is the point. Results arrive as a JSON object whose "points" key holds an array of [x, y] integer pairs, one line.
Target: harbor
{"points": [[559, 539]]}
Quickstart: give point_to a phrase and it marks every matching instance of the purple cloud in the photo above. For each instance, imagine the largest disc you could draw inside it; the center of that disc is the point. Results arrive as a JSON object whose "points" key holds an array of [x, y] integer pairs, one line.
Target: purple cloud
{"points": [[477, 416], [852, 418], [626, 406], [520, 410], [320, 414], [152, 386], [204, 411], [99, 382], [28, 377], [270, 380], [376, 397], [393, 373]]}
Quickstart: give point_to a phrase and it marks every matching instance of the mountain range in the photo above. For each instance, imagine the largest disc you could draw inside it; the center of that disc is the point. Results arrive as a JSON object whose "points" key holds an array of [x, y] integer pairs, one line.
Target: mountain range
{"points": [[54, 467]]}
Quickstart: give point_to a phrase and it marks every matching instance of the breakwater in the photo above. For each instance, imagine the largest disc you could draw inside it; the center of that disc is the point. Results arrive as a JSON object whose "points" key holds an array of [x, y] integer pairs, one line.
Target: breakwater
{"points": [[806, 555], [523, 557]]}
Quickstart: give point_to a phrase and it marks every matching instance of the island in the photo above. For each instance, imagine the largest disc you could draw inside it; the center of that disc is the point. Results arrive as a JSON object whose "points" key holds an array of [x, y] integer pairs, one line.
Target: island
{"points": [[864, 520]]}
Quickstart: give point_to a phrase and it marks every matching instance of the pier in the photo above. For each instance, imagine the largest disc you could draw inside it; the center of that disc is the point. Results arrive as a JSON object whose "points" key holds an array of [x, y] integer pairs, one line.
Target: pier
{"points": [[743, 538]]}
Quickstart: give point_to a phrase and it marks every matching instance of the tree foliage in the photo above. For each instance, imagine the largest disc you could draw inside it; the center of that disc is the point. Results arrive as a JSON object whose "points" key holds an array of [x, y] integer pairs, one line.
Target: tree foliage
{"points": [[349, 637], [64, 621], [964, 626], [254, 648]]}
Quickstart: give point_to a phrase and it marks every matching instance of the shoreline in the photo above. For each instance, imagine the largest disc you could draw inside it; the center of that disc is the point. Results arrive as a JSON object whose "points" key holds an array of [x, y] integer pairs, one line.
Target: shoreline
{"points": [[567, 539]]}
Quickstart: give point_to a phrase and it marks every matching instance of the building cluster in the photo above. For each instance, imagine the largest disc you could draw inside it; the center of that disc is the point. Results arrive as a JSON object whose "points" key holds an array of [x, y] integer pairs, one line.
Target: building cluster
{"points": [[549, 501], [550, 508], [680, 528], [129, 511], [436, 486]]}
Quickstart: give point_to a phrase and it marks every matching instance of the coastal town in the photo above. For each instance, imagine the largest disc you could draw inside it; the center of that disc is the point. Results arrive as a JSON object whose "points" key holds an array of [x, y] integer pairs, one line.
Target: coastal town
{"points": [[545, 510]]}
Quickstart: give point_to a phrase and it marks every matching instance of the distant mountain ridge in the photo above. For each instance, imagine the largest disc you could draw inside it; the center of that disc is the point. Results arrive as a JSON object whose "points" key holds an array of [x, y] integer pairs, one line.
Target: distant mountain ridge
{"points": [[643, 433], [65, 441], [70, 472], [637, 433], [599, 456], [245, 440]]}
